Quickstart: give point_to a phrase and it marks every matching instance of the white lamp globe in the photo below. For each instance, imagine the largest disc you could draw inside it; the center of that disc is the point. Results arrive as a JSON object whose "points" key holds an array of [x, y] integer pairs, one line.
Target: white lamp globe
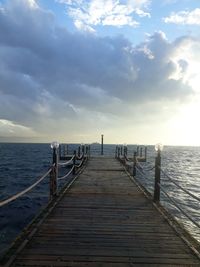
{"points": [[159, 147], [55, 145]]}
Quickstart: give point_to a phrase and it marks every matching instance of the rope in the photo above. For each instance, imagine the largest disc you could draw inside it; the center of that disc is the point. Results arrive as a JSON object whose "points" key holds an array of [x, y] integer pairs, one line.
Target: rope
{"points": [[127, 162], [150, 169], [66, 175], [14, 197], [139, 165], [81, 163], [141, 171], [179, 186], [66, 163], [127, 159], [80, 158], [184, 213]]}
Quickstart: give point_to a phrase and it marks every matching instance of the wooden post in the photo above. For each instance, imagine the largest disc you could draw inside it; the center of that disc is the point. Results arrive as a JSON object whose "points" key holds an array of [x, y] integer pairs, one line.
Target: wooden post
{"points": [[157, 177], [121, 150], [74, 163], [116, 149], [79, 151], [102, 144], [137, 150], [66, 150], [141, 152], [134, 163], [83, 149], [145, 153], [54, 174]]}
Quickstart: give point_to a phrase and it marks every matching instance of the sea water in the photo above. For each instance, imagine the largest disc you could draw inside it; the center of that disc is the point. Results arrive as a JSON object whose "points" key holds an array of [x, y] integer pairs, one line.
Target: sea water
{"points": [[22, 164]]}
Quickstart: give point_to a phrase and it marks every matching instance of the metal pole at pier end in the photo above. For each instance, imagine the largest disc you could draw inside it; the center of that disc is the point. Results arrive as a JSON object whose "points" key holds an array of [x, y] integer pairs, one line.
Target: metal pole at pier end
{"points": [[158, 148], [102, 144], [54, 171]]}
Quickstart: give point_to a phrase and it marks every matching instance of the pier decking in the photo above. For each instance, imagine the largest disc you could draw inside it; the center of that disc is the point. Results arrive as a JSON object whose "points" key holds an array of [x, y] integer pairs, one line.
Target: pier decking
{"points": [[104, 219]]}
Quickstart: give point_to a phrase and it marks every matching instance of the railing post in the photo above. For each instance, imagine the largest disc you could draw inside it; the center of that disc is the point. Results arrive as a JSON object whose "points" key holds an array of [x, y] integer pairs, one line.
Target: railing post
{"points": [[79, 151], [54, 171], [145, 153], [134, 163], [121, 150], [66, 150], [83, 149], [118, 155], [74, 163], [137, 150], [157, 176], [141, 152], [116, 149]]}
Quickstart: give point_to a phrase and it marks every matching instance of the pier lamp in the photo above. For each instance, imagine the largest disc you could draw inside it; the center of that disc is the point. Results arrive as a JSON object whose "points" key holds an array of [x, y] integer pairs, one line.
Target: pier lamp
{"points": [[54, 171], [55, 146], [159, 147]]}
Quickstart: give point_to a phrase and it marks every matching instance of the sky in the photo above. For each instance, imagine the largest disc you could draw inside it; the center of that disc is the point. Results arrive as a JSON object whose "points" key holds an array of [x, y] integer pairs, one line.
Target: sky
{"points": [[73, 70]]}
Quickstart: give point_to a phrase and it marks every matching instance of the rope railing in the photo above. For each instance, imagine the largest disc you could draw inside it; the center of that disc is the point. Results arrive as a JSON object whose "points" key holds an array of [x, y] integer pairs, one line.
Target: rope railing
{"points": [[20, 194], [81, 157], [66, 175], [67, 163], [127, 159], [178, 207], [142, 167], [53, 173], [80, 164], [178, 185], [143, 172], [140, 171]]}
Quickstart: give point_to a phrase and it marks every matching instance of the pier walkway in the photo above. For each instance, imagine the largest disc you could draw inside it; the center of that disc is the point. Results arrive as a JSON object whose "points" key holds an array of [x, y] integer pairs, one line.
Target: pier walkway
{"points": [[104, 219]]}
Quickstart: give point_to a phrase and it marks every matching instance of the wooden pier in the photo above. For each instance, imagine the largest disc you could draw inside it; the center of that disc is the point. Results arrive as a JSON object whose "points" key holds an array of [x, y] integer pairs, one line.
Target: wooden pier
{"points": [[103, 219]]}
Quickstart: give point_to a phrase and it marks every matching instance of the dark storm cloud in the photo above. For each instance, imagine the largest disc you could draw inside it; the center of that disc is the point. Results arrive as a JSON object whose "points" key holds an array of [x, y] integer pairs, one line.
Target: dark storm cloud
{"points": [[42, 64]]}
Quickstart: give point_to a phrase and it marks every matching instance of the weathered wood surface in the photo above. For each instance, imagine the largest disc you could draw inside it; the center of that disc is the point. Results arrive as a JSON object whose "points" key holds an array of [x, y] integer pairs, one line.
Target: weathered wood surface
{"points": [[104, 220]]}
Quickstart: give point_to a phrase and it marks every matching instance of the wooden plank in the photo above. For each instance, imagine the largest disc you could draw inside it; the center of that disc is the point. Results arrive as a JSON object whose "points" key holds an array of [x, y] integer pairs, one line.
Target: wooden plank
{"points": [[105, 220]]}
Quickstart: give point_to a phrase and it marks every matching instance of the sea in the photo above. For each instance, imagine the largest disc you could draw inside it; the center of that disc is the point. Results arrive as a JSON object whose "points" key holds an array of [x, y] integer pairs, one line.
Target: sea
{"points": [[22, 164]]}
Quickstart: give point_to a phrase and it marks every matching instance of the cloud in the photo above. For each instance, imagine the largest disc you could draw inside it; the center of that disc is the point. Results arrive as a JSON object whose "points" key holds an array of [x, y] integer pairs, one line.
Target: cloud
{"points": [[87, 14], [10, 129], [184, 17], [54, 82]]}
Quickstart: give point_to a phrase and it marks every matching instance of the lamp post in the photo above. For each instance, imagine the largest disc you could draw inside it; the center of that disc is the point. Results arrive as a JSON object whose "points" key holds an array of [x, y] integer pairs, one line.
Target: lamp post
{"points": [[54, 171], [158, 148]]}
